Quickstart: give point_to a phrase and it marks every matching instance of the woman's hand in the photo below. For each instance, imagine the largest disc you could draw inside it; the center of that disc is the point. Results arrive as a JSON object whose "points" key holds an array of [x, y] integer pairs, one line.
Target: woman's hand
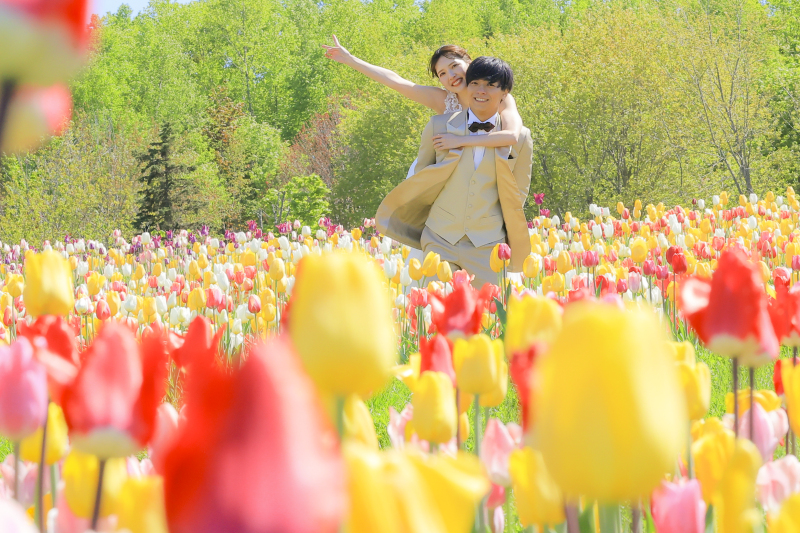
{"points": [[337, 52], [448, 141]]}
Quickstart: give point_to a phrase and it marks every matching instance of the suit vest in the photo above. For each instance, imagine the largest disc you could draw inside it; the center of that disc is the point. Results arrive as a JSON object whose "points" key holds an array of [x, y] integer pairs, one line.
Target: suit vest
{"points": [[469, 203]]}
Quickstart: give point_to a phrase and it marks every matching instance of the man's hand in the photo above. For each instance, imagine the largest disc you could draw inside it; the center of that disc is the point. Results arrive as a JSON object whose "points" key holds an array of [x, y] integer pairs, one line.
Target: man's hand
{"points": [[448, 141], [337, 52]]}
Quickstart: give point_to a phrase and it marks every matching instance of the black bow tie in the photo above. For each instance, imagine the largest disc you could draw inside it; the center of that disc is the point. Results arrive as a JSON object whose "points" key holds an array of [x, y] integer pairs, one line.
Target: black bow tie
{"points": [[485, 126]]}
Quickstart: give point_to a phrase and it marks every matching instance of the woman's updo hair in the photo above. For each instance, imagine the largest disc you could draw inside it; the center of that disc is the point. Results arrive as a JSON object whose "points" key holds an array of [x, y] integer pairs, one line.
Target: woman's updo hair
{"points": [[451, 51]]}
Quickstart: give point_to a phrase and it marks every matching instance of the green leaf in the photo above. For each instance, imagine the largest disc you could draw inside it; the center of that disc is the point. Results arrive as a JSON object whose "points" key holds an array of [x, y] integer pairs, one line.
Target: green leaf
{"points": [[710, 519], [586, 520]]}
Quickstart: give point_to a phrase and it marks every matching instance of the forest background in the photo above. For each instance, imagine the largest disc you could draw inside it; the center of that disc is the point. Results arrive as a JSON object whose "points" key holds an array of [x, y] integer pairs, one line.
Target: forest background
{"points": [[218, 112]]}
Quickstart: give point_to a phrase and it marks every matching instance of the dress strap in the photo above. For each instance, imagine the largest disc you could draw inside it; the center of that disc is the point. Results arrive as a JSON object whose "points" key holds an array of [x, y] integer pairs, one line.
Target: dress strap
{"points": [[451, 104]]}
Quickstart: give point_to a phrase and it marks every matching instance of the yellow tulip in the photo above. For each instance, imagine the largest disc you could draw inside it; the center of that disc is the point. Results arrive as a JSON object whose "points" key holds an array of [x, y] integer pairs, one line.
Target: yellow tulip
{"points": [[409, 373], [15, 285], [639, 250], [6, 301], [791, 391], [48, 290], [609, 411], [434, 402], [788, 519], [269, 312], [711, 452], [202, 262], [94, 283], [415, 269], [249, 258], [194, 270], [139, 273], [530, 267], [57, 444], [498, 393], [158, 268], [336, 298], [431, 265], [114, 302], [358, 424], [407, 492], [356, 233], [734, 499], [444, 272], [696, 382], [495, 263], [530, 320], [141, 505], [475, 363], [539, 500], [564, 262], [197, 299], [80, 475], [149, 307], [277, 269]]}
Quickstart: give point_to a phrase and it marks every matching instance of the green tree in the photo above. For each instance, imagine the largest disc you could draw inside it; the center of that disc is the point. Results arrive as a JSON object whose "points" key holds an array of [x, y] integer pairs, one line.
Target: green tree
{"points": [[162, 187]]}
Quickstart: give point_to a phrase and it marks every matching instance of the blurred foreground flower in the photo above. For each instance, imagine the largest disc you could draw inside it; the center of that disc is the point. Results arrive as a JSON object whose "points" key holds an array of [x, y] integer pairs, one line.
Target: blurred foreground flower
{"points": [[409, 492], [255, 453], [23, 391], [610, 417]]}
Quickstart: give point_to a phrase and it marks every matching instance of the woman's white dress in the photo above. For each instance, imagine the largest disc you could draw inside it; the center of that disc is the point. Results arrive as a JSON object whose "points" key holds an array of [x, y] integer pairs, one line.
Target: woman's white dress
{"points": [[451, 105]]}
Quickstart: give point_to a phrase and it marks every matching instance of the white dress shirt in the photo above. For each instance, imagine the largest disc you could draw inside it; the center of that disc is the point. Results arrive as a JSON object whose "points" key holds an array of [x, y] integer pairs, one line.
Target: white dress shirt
{"points": [[478, 151]]}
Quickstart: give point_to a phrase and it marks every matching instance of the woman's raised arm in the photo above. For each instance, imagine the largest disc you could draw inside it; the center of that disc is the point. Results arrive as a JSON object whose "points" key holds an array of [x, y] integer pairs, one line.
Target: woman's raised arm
{"points": [[432, 97], [508, 136]]}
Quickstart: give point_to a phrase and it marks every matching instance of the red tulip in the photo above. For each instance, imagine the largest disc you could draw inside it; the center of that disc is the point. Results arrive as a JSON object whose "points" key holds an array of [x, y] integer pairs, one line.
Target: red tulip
{"points": [[23, 391], [54, 344], [678, 262], [110, 408], [649, 267], [199, 344], [255, 453], [504, 252], [437, 355], [254, 304], [796, 262], [458, 314], [102, 311], [520, 368], [590, 258], [777, 377], [729, 313], [784, 312]]}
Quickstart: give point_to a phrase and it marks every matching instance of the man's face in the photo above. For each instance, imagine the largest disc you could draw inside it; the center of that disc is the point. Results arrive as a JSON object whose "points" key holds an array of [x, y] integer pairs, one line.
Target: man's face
{"points": [[484, 98]]}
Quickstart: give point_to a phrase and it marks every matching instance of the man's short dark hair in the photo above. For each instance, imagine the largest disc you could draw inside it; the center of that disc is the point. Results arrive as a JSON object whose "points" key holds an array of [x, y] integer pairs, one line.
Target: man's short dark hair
{"points": [[493, 70]]}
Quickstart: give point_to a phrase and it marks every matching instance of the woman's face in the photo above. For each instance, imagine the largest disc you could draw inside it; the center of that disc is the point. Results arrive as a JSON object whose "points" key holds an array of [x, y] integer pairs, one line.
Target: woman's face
{"points": [[452, 73]]}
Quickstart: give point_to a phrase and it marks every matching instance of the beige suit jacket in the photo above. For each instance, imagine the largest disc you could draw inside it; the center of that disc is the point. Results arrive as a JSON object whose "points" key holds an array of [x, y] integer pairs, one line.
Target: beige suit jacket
{"points": [[403, 213]]}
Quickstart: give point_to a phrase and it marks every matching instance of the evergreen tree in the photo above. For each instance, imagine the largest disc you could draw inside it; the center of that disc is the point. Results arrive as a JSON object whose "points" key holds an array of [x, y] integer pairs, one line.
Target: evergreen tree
{"points": [[161, 184]]}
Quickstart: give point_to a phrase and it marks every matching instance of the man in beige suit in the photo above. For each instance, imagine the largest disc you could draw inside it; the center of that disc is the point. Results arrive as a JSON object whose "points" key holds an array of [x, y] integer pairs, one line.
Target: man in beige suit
{"points": [[461, 203]]}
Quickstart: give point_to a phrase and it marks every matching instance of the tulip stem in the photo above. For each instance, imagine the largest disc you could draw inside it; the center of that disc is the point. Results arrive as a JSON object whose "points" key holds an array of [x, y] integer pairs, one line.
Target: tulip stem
{"points": [[736, 397], [477, 425], [458, 419], [40, 477], [99, 495], [17, 466], [340, 416], [689, 458], [6, 92], [636, 517], [573, 524], [53, 485], [752, 386]]}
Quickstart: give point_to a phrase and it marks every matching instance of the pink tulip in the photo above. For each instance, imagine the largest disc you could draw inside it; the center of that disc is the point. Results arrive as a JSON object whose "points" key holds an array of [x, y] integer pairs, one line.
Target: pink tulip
{"points": [[769, 427], [23, 391], [14, 519], [496, 449], [67, 522], [137, 468], [776, 481], [27, 480], [498, 520], [164, 434], [678, 507], [397, 425]]}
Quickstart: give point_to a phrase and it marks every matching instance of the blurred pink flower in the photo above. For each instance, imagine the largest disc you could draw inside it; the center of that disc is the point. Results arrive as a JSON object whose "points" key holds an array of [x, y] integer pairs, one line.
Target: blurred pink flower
{"points": [[496, 449], [27, 487], [776, 481], [678, 507], [770, 427], [14, 519], [23, 391], [397, 425]]}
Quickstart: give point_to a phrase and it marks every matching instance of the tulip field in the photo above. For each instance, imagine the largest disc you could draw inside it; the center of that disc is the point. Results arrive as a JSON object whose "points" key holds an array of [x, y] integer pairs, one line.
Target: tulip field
{"points": [[328, 379]]}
